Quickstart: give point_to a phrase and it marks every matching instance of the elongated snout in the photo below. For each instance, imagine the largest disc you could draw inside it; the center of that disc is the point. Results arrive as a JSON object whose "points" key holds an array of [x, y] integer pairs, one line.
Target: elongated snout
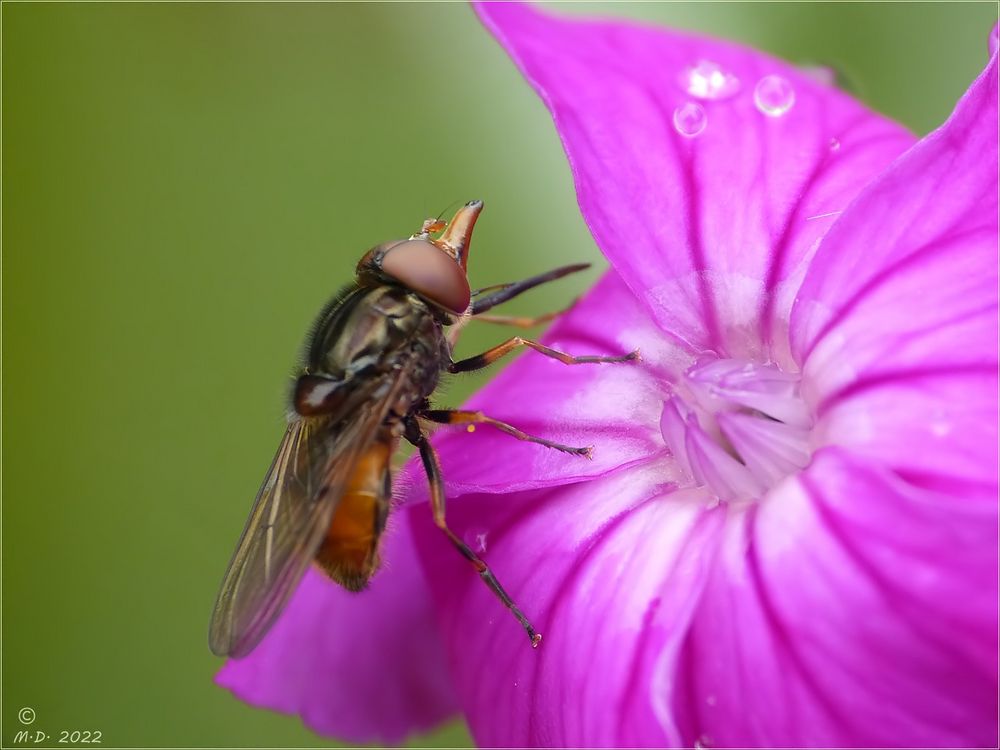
{"points": [[456, 238]]}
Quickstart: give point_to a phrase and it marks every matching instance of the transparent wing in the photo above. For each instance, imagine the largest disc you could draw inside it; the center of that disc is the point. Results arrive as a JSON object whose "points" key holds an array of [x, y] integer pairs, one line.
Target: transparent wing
{"points": [[289, 519]]}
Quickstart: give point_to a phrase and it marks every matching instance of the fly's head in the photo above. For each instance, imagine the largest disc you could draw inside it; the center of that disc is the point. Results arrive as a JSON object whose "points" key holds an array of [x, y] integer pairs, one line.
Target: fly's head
{"points": [[434, 268]]}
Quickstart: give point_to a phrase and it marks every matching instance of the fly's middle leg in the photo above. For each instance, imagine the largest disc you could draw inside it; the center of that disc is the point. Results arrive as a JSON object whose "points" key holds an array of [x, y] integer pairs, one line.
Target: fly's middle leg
{"points": [[518, 321], [429, 458], [492, 355], [458, 416]]}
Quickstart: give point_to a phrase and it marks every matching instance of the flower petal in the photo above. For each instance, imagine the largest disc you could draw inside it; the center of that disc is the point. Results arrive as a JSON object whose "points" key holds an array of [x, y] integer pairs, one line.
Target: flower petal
{"points": [[712, 232], [937, 429], [897, 318], [613, 407], [363, 667], [849, 608], [608, 571]]}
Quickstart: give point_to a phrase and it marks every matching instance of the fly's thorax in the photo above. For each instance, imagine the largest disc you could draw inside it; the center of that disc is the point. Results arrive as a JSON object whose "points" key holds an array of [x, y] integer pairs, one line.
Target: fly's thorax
{"points": [[369, 341], [367, 331], [429, 355]]}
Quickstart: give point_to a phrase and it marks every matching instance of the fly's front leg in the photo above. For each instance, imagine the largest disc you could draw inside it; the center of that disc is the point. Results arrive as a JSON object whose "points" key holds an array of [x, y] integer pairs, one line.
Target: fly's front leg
{"points": [[429, 458], [503, 292], [470, 418], [492, 355]]}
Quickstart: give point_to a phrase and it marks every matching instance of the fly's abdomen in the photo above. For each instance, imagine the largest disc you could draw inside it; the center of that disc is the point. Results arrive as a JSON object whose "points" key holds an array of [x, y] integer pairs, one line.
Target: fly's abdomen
{"points": [[349, 553]]}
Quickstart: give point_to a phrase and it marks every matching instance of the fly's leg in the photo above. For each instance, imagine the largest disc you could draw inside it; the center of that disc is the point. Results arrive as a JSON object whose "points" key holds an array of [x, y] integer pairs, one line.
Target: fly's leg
{"points": [[429, 458], [521, 322], [492, 355], [503, 292], [470, 418]]}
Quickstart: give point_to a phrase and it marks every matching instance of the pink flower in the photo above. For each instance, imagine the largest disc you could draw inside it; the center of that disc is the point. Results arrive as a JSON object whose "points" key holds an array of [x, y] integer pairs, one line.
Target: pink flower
{"points": [[788, 535]]}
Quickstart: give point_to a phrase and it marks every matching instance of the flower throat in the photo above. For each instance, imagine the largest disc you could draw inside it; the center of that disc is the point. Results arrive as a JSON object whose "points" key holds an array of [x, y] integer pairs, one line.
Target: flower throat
{"points": [[737, 427]]}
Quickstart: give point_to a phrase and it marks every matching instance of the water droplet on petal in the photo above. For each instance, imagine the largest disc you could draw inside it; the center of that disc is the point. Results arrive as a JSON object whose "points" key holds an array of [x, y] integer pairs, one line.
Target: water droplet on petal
{"points": [[690, 120], [834, 144], [773, 95], [708, 80]]}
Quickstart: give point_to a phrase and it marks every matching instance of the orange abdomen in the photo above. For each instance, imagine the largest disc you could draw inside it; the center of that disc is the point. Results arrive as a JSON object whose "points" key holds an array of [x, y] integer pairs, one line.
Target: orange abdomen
{"points": [[349, 553]]}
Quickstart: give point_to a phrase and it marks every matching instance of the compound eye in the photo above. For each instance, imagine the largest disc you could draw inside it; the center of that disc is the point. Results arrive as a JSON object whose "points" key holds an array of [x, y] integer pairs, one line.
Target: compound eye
{"points": [[373, 258], [430, 272]]}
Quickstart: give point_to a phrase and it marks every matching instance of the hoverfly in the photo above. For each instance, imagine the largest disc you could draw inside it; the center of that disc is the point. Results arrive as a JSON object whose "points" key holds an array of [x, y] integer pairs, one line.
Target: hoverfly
{"points": [[372, 361]]}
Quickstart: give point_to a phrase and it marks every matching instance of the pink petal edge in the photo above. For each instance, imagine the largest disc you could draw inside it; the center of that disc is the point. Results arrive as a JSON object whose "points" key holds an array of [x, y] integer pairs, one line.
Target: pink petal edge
{"points": [[897, 320], [365, 667], [713, 232]]}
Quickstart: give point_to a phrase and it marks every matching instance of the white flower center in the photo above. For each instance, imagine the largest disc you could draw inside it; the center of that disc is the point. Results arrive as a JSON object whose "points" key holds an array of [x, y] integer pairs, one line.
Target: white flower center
{"points": [[737, 427]]}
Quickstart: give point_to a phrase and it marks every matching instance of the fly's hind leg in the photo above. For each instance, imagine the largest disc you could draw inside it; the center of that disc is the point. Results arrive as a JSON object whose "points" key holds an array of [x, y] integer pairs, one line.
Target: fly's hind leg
{"points": [[471, 418], [429, 458]]}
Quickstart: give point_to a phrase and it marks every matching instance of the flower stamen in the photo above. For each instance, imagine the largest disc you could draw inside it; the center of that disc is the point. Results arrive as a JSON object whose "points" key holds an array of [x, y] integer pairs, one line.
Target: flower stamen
{"points": [[737, 427]]}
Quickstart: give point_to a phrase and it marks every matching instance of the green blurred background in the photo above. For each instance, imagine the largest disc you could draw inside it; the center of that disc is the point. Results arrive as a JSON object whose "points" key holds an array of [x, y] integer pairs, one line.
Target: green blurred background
{"points": [[183, 187]]}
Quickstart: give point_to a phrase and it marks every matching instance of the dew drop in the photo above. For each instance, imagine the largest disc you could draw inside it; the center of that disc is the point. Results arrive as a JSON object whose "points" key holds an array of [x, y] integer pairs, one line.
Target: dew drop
{"points": [[708, 80], [690, 120], [834, 144], [773, 95]]}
